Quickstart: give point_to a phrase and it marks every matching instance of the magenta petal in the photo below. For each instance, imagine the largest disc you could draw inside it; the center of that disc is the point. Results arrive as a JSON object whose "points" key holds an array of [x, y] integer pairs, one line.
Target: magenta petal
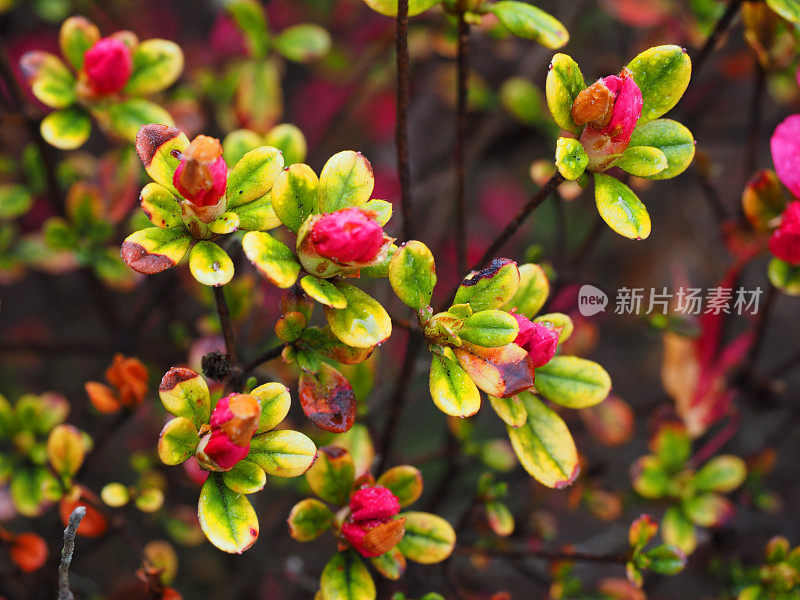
{"points": [[785, 146], [627, 108]]}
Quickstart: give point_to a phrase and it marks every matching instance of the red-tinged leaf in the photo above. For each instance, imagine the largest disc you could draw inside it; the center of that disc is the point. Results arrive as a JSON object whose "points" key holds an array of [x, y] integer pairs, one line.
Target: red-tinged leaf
{"points": [[28, 551], [323, 341], [328, 399], [153, 250], [611, 422], [502, 372], [641, 531]]}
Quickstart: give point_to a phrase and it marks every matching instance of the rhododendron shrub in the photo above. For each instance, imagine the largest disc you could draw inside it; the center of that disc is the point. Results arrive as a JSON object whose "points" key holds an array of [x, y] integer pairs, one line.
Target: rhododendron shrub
{"points": [[318, 299]]}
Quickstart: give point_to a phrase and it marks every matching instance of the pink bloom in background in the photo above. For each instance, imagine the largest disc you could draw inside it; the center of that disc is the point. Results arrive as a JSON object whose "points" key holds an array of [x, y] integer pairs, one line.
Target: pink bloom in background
{"points": [[233, 423], [785, 240], [108, 66], [373, 507], [785, 147], [538, 339], [347, 236]]}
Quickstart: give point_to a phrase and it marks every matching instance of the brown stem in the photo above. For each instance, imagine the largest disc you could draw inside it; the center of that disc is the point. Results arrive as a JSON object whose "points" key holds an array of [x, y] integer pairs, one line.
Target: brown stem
{"points": [[235, 377], [545, 554], [754, 121], [401, 125], [719, 29], [267, 356], [462, 66], [514, 225]]}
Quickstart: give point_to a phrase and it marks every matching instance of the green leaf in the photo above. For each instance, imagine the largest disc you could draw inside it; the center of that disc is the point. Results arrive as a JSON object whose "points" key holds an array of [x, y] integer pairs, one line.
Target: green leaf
{"points": [[346, 180], [381, 210], [666, 560], [708, 510], [283, 453], [404, 481], [251, 19], [674, 140], [257, 215], [672, 445], [238, 143], [66, 449], [271, 258], [530, 22], [452, 390], [294, 195], [157, 64], [67, 128], [50, 79], [15, 200], [160, 206], [522, 100], [573, 382], [532, 292], [722, 473], [489, 328], [500, 519], [178, 441], [649, 478], [363, 323], [788, 9], [642, 161], [491, 287], [253, 176], [331, 476], [412, 274], [258, 99], [76, 36], [125, 118], [784, 276], [620, 208], [662, 74], [290, 141], [274, 400], [323, 291], [227, 518], [210, 264], [303, 43], [571, 158], [391, 564], [389, 7], [245, 477], [428, 539], [544, 445], [309, 519], [184, 393], [564, 83], [153, 250], [345, 577], [159, 148], [678, 531], [29, 487], [511, 410], [641, 531]]}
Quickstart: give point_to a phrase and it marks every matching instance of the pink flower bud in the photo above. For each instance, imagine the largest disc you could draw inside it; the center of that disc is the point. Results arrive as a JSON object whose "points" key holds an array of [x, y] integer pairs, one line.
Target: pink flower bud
{"points": [[785, 147], [785, 240], [349, 235], [233, 423], [610, 108], [108, 66], [538, 339], [371, 529], [202, 175]]}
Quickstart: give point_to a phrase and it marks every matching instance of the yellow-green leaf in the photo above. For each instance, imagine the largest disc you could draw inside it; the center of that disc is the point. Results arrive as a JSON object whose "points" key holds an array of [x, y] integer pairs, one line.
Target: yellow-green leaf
{"points": [[662, 74], [323, 291], [404, 481], [452, 390], [332, 474], [642, 161], [253, 176], [76, 36], [412, 274], [363, 323], [346, 180], [531, 22], [345, 577], [153, 250], [620, 208], [510, 410], [245, 477], [160, 206], [273, 260], [428, 539], [671, 138], [564, 83], [210, 264], [283, 453], [184, 393], [156, 65], [178, 441], [67, 128], [274, 400], [309, 519], [573, 382], [227, 518]]}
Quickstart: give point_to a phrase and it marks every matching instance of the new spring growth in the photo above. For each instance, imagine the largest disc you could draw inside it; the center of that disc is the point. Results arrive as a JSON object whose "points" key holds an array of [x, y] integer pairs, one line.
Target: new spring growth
{"points": [[201, 178], [610, 109], [233, 423], [371, 528], [107, 66], [538, 339], [347, 236]]}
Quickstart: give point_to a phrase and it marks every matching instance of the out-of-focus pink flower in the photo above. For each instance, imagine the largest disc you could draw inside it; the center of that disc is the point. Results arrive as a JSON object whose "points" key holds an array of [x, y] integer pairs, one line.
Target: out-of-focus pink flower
{"points": [[371, 528], [785, 240], [349, 235], [233, 423], [610, 108], [785, 146], [108, 66], [538, 339]]}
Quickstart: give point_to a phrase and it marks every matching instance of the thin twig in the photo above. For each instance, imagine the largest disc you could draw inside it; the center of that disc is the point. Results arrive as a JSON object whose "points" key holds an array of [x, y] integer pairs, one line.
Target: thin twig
{"points": [[267, 356], [235, 377], [514, 225], [401, 124], [754, 120], [711, 195], [544, 554], [64, 593], [462, 67], [719, 29]]}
